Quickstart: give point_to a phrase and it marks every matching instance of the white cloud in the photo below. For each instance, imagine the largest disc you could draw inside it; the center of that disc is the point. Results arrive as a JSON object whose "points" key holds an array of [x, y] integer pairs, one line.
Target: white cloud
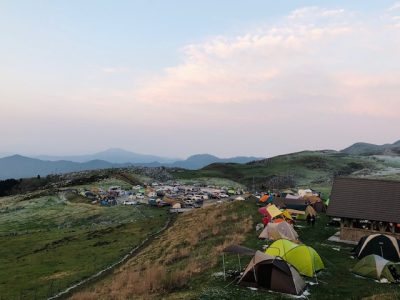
{"points": [[318, 59], [394, 7]]}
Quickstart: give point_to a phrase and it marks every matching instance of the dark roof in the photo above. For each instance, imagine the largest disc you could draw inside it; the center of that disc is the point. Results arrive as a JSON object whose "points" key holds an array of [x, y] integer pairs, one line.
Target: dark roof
{"points": [[369, 199]]}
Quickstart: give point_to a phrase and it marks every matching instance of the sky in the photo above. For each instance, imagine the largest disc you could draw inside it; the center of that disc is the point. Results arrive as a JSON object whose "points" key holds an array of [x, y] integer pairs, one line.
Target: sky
{"points": [[176, 78]]}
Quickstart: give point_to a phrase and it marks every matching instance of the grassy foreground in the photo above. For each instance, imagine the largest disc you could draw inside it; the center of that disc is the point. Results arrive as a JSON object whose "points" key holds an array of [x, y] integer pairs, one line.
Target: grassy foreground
{"points": [[185, 262], [49, 243]]}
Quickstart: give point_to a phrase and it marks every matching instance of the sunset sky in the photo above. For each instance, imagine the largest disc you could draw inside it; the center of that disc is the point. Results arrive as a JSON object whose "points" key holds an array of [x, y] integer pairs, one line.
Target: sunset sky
{"points": [[175, 78]]}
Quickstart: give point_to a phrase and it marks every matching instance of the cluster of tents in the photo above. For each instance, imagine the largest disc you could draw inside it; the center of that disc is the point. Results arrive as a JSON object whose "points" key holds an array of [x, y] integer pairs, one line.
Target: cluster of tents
{"points": [[379, 256], [281, 266], [298, 201]]}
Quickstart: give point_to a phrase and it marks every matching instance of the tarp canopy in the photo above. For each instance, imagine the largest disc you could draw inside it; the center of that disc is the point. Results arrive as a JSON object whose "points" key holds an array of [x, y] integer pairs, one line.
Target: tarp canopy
{"points": [[273, 211], [276, 231], [237, 249], [376, 267], [272, 273]]}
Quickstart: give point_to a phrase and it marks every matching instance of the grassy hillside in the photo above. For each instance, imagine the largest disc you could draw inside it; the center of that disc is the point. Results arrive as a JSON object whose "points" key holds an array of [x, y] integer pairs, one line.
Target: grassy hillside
{"points": [[303, 169], [185, 262], [48, 243]]}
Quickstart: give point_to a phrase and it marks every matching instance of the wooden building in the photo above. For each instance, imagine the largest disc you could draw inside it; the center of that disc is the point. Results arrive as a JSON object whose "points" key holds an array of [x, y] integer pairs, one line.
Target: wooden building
{"points": [[365, 206]]}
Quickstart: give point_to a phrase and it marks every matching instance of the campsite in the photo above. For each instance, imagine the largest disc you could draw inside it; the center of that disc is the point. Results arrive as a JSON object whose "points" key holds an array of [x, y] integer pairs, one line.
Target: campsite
{"points": [[184, 257]]}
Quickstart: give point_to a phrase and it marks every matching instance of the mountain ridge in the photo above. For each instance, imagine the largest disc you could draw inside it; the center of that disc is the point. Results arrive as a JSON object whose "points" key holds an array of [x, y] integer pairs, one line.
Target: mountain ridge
{"points": [[362, 148], [19, 166]]}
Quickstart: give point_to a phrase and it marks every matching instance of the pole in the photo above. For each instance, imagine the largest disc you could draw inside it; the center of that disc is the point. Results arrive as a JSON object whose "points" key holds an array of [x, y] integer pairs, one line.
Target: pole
{"points": [[240, 266], [223, 264]]}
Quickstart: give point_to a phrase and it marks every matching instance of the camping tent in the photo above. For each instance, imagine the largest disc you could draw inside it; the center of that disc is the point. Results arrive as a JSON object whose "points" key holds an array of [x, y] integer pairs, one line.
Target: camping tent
{"points": [[272, 273], [380, 244], [305, 259], [374, 266], [264, 198], [276, 231], [295, 202], [280, 247], [273, 211], [287, 214], [239, 198]]}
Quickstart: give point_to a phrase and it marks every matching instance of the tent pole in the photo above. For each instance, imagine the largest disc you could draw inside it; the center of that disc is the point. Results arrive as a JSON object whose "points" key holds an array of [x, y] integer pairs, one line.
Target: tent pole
{"points": [[223, 265], [240, 266]]}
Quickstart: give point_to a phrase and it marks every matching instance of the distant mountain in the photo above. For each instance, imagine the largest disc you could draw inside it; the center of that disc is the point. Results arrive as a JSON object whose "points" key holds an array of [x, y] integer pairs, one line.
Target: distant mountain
{"points": [[199, 161], [372, 149], [113, 155], [18, 166]]}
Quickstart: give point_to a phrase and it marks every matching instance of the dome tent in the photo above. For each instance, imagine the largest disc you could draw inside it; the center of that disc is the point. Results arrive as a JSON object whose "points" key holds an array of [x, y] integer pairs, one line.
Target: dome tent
{"points": [[376, 267], [276, 231], [280, 247], [383, 245], [304, 258], [272, 273]]}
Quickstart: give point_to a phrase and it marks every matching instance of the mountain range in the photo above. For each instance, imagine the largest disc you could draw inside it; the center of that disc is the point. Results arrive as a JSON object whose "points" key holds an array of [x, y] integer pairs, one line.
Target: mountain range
{"points": [[18, 166], [372, 149]]}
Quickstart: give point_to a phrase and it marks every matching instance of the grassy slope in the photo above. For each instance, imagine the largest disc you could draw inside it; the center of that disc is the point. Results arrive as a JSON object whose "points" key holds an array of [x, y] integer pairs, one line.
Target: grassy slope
{"points": [[47, 243], [335, 282], [315, 169], [185, 263]]}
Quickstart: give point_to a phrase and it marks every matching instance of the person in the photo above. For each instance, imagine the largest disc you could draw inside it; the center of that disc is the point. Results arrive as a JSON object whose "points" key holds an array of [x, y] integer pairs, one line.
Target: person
{"points": [[308, 219], [312, 221]]}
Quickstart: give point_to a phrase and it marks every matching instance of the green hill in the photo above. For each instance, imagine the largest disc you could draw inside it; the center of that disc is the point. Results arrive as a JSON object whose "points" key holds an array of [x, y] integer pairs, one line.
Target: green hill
{"points": [[316, 168]]}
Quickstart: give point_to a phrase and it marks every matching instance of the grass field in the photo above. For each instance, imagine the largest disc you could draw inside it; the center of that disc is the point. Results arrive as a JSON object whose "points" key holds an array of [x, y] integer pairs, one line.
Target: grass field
{"points": [[48, 243], [193, 269]]}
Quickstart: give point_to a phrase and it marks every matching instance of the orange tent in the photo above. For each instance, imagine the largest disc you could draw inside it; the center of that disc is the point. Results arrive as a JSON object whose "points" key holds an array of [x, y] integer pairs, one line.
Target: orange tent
{"points": [[264, 198]]}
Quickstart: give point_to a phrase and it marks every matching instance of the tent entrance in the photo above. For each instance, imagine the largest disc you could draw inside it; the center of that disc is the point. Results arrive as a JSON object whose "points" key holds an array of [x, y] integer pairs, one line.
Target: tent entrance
{"points": [[264, 274]]}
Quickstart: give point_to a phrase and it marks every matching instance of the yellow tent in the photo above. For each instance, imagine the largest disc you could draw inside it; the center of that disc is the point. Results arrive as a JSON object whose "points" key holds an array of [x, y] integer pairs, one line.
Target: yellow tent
{"points": [[280, 247], [287, 214], [273, 211], [305, 259]]}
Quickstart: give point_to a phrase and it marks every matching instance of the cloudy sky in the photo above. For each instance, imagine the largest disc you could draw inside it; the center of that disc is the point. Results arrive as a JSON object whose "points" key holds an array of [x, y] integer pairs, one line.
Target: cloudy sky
{"points": [[175, 78]]}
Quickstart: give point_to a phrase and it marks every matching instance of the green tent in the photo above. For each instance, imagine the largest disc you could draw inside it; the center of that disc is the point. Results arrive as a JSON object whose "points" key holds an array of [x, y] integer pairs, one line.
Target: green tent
{"points": [[376, 267], [305, 259], [280, 247]]}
